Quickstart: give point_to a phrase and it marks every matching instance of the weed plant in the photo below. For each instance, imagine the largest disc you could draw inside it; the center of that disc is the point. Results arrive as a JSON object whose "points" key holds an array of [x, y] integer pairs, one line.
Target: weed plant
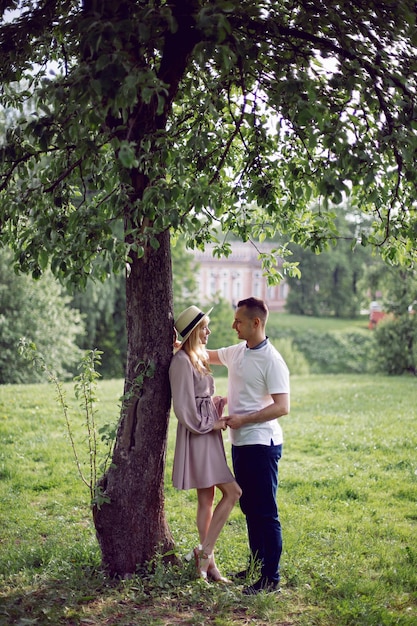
{"points": [[347, 497]]}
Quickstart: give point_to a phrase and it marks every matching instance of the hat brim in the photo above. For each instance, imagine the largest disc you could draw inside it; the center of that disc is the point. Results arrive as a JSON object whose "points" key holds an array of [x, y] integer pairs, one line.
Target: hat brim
{"points": [[184, 339]]}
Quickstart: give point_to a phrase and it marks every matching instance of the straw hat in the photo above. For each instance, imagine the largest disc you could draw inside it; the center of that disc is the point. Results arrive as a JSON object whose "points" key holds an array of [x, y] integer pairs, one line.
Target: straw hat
{"points": [[188, 320]]}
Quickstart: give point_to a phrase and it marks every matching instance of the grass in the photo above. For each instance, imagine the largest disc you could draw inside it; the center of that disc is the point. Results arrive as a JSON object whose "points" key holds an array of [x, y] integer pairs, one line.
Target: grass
{"points": [[347, 496], [303, 323]]}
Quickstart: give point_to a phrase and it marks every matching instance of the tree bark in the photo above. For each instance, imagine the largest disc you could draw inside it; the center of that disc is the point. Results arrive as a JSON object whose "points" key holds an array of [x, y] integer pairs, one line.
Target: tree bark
{"points": [[128, 532], [132, 528]]}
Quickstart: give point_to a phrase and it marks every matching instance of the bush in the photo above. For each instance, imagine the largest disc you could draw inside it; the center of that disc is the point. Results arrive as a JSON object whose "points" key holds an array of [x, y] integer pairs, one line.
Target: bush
{"points": [[396, 345], [221, 320], [295, 360], [336, 353]]}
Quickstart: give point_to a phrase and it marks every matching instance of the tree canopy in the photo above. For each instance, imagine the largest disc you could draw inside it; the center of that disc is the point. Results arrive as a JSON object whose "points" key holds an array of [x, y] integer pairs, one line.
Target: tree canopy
{"points": [[276, 103], [331, 283], [126, 121]]}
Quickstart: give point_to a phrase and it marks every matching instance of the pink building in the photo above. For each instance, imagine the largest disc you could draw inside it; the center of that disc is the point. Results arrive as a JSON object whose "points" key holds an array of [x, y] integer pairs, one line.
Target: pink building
{"points": [[238, 276]]}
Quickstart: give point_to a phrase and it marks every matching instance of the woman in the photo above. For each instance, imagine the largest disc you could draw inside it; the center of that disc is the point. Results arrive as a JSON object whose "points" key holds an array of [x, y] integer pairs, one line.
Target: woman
{"points": [[199, 460]]}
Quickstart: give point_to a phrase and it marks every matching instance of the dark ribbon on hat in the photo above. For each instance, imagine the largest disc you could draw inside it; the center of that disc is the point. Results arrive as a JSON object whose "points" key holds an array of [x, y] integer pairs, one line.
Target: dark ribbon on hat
{"points": [[192, 324]]}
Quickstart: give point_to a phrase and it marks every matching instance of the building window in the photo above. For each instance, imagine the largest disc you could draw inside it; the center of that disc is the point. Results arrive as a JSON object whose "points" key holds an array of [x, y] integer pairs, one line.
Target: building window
{"points": [[214, 278], [235, 288], [283, 291]]}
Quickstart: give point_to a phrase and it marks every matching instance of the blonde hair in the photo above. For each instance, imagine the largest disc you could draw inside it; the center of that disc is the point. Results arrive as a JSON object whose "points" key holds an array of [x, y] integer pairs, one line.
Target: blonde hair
{"points": [[196, 351]]}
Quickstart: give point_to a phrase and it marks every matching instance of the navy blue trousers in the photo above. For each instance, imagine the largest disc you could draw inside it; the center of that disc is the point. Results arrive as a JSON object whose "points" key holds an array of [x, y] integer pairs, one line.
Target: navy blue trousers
{"points": [[256, 471]]}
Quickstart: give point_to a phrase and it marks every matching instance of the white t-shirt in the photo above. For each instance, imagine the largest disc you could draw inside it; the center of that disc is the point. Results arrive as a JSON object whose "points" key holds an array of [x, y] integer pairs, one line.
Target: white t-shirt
{"points": [[253, 375]]}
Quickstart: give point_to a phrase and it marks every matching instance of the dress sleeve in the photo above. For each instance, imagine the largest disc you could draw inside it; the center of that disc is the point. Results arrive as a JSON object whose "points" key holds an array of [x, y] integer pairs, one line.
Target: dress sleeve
{"points": [[196, 414]]}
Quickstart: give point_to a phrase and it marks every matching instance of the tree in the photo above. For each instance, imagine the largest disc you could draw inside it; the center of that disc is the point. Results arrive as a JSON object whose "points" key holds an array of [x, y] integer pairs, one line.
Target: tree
{"points": [[329, 282], [38, 309], [395, 334], [103, 306], [183, 275], [137, 118], [221, 319]]}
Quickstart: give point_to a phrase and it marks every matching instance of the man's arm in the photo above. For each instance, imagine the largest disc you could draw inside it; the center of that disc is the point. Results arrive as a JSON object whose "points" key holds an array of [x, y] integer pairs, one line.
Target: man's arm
{"points": [[214, 357], [278, 407]]}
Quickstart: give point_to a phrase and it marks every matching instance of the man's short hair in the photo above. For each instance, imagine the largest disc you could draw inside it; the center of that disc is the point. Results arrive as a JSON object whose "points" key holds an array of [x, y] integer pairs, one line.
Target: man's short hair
{"points": [[255, 308]]}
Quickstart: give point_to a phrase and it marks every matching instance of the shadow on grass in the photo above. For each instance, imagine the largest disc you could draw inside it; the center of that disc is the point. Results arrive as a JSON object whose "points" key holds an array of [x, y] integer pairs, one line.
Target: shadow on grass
{"points": [[168, 596]]}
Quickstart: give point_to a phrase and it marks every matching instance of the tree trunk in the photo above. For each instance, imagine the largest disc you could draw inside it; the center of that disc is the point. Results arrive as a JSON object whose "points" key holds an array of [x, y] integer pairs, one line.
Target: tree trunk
{"points": [[132, 527], [128, 532]]}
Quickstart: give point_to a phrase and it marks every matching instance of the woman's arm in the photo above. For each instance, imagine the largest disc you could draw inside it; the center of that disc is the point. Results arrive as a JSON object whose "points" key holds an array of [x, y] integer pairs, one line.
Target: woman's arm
{"points": [[183, 397]]}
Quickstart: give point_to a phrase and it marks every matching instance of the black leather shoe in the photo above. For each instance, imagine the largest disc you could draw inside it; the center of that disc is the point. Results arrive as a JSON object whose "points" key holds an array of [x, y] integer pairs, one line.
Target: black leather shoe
{"points": [[243, 575], [263, 584]]}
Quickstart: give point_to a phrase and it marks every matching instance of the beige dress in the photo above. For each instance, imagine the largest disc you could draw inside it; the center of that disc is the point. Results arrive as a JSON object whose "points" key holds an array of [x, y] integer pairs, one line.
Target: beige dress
{"points": [[199, 459]]}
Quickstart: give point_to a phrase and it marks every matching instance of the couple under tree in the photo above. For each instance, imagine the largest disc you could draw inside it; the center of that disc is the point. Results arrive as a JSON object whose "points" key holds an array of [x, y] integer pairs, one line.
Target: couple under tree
{"points": [[258, 394]]}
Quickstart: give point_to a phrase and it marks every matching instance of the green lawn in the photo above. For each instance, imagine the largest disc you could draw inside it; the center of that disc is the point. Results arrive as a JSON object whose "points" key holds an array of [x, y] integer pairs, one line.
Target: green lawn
{"points": [[303, 323], [348, 505]]}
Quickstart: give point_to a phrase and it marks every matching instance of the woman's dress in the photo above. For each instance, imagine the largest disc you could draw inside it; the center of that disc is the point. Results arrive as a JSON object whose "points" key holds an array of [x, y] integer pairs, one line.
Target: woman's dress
{"points": [[199, 459]]}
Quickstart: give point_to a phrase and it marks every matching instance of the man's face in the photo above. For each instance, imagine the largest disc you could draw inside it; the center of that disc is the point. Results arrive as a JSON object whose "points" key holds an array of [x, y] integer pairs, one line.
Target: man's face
{"points": [[242, 324]]}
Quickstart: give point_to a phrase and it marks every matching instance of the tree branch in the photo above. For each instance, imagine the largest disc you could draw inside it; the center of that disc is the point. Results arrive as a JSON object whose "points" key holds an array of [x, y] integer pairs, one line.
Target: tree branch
{"points": [[176, 51]]}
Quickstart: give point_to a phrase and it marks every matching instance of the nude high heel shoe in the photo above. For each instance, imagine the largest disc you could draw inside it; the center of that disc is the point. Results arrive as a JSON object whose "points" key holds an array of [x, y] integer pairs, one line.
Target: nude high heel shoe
{"points": [[202, 562], [214, 574]]}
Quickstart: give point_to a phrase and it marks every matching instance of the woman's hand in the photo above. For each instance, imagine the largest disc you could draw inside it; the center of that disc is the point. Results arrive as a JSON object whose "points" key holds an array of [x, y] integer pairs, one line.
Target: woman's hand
{"points": [[220, 425], [219, 402]]}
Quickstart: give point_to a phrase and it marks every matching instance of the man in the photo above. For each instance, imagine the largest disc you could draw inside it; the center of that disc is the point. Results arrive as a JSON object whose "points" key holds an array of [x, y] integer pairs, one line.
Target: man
{"points": [[258, 394]]}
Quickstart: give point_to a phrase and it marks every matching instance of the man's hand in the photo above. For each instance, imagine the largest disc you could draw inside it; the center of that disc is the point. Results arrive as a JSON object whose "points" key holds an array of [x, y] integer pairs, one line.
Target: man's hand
{"points": [[234, 421], [220, 424], [279, 406]]}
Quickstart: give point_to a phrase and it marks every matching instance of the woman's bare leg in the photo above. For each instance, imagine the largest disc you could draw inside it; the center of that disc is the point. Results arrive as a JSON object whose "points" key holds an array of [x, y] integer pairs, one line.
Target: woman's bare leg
{"points": [[205, 499], [231, 493]]}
